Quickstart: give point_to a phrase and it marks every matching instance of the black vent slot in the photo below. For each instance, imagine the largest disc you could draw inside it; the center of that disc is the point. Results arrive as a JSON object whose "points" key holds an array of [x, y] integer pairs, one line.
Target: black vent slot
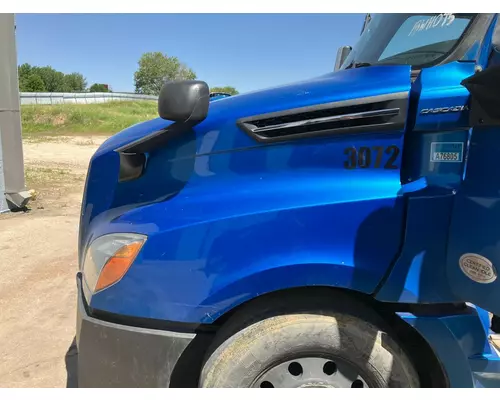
{"points": [[316, 114], [354, 116]]}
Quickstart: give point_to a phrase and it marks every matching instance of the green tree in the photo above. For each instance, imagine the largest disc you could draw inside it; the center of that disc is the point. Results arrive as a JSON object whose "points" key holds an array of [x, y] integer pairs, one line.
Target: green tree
{"points": [[99, 87], [52, 79], [24, 69], [155, 68], [34, 83], [23, 72], [74, 82], [226, 89]]}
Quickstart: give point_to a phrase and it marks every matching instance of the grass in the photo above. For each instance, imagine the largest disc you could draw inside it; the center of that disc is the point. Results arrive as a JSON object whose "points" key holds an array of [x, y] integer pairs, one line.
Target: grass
{"points": [[64, 119]]}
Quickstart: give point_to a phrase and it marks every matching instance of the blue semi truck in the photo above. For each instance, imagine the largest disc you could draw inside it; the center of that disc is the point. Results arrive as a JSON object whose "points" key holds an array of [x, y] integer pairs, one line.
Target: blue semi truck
{"points": [[337, 232]]}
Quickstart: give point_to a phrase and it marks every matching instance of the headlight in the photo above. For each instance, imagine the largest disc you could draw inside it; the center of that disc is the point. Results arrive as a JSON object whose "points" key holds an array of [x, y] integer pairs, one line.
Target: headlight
{"points": [[107, 260]]}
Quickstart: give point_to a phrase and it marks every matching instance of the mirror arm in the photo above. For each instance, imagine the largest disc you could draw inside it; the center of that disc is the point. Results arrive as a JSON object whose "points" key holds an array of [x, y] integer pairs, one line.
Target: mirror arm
{"points": [[156, 139], [484, 89], [342, 53]]}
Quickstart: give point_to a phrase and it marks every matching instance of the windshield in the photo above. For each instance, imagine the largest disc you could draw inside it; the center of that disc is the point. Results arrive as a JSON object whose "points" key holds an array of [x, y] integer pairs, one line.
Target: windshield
{"points": [[412, 39]]}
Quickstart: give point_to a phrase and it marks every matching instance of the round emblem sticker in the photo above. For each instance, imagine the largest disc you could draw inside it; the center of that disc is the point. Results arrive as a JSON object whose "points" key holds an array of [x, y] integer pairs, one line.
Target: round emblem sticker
{"points": [[478, 268]]}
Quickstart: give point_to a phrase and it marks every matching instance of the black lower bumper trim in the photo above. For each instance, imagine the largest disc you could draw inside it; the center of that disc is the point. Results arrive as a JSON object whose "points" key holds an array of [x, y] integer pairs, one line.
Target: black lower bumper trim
{"points": [[112, 355]]}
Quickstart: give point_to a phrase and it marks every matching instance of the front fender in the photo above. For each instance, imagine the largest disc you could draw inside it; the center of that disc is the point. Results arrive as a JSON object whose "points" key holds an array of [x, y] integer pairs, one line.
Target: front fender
{"points": [[208, 299], [206, 266], [267, 280]]}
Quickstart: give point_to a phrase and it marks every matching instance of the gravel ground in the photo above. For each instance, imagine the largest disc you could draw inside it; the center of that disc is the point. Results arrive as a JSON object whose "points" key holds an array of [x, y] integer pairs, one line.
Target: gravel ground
{"points": [[38, 265]]}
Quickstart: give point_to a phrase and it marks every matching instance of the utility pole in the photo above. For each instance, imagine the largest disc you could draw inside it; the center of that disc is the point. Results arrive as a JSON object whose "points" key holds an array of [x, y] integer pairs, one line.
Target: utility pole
{"points": [[13, 193]]}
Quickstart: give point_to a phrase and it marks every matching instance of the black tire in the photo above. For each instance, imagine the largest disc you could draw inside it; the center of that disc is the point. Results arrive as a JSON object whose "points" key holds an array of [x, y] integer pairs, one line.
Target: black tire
{"points": [[239, 359]]}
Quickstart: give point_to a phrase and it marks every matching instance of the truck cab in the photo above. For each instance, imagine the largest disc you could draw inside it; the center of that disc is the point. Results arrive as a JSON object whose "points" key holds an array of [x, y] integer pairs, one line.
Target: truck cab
{"points": [[336, 232]]}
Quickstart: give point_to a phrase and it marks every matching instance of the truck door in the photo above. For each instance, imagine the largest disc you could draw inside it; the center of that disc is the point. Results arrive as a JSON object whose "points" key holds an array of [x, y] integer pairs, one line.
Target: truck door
{"points": [[473, 260], [443, 50]]}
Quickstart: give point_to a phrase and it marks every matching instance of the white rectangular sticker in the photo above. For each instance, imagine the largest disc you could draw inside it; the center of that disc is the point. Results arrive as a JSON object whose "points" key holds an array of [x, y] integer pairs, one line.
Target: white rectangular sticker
{"points": [[447, 152]]}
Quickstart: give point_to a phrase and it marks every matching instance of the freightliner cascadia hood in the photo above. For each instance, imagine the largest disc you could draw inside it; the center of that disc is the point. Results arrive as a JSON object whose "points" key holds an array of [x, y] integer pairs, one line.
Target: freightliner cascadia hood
{"points": [[168, 170], [338, 86]]}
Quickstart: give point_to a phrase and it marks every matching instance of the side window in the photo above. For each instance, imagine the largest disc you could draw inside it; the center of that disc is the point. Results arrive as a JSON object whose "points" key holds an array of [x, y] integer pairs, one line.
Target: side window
{"points": [[425, 36]]}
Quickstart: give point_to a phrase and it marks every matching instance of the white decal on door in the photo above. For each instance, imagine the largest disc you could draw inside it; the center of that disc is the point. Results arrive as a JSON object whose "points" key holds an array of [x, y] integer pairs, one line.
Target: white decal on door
{"points": [[436, 21], [477, 268], [447, 152]]}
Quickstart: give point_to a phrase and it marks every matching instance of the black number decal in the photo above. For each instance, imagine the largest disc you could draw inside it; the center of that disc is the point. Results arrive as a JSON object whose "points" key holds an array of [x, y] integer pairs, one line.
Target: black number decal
{"points": [[392, 159], [380, 153], [362, 158], [350, 163]]}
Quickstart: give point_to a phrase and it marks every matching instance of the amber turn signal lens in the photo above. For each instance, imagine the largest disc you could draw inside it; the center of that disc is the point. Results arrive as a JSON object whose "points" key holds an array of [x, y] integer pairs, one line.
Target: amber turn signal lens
{"points": [[117, 266]]}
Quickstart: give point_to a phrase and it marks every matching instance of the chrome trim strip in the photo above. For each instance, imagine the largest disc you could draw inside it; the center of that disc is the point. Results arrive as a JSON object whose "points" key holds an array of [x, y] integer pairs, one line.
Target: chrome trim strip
{"points": [[333, 118]]}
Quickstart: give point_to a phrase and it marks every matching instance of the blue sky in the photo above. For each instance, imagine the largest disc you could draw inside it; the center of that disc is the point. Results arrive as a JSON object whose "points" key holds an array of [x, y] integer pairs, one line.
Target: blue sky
{"points": [[247, 51]]}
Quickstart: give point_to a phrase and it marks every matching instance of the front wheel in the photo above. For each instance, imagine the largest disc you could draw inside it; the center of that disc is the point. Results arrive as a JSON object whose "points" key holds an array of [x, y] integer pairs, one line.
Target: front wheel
{"points": [[309, 350]]}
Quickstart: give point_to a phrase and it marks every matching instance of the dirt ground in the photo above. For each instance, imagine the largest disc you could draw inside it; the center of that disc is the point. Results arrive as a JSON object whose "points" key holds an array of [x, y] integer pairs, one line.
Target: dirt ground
{"points": [[38, 265]]}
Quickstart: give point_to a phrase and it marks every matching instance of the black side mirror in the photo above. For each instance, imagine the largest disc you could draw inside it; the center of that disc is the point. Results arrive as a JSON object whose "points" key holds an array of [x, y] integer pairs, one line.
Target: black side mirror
{"points": [[184, 101], [484, 87], [342, 54]]}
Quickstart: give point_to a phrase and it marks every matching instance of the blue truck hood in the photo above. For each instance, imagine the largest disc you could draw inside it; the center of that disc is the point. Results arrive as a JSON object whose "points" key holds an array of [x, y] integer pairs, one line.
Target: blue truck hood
{"points": [[338, 86], [169, 168]]}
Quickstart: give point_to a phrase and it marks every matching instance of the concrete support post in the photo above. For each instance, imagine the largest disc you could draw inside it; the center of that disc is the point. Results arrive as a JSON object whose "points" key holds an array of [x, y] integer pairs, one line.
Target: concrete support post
{"points": [[13, 193]]}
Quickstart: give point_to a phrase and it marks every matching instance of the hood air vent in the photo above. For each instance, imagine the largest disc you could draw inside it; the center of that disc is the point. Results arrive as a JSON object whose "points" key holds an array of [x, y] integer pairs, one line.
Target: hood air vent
{"points": [[369, 114]]}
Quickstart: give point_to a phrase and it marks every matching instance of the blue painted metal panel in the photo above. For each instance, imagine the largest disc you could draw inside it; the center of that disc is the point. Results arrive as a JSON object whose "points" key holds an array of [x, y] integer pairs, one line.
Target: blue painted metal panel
{"points": [[475, 221], [293, 217], [439, 88], [419, 274], [244, 218], [476, 212], [461, 344]]}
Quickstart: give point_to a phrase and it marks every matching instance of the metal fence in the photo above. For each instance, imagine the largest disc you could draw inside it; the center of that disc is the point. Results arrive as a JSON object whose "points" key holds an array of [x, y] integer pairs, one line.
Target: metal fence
{"points": [[80, 98]]}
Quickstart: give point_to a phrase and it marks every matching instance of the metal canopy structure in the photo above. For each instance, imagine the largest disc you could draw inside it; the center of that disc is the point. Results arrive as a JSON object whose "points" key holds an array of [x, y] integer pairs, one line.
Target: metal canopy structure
{"points": [[13, 193]]}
